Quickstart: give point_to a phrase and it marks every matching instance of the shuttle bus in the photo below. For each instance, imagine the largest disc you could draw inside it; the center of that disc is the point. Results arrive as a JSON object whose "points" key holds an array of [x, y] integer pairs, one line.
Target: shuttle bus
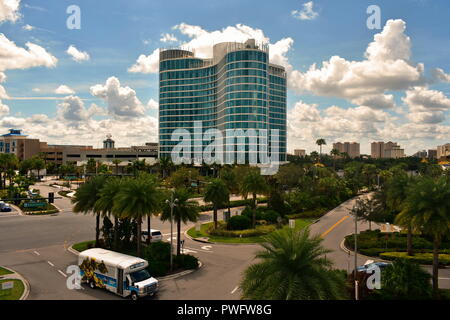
{"points": [[122, 274]]}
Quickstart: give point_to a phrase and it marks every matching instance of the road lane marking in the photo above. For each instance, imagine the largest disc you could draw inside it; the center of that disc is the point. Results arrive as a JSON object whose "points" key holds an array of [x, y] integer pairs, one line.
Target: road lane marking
{"points": [[234, 290], [334, 226], [37, 253], [444, 278], [62, 273], [50, 263], [207, 248]]}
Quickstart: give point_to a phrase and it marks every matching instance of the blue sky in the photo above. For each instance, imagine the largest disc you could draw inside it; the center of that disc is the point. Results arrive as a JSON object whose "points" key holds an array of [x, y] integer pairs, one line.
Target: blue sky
{"points": [[115, 33]]}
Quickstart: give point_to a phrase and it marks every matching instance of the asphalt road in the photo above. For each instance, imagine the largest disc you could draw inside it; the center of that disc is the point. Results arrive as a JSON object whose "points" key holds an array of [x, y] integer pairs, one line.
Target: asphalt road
{"points": [[36, 247]]}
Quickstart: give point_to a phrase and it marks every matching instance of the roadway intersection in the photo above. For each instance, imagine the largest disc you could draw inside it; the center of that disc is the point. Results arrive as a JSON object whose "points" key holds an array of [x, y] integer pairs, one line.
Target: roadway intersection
{"points": [[36, 247]]}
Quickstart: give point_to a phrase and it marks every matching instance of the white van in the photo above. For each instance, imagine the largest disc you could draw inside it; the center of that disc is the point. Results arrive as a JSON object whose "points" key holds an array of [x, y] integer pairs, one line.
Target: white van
{"points": [[125, 275], [156, 235]]}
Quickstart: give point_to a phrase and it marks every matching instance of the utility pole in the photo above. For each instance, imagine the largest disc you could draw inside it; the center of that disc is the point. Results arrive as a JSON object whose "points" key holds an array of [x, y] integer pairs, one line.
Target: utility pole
{"points": [[356, 257], [172, 203]]}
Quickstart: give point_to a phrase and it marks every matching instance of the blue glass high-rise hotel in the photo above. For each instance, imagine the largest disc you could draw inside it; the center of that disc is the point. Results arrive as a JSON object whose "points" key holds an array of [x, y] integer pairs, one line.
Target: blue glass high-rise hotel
{"points": [[237, 89]]}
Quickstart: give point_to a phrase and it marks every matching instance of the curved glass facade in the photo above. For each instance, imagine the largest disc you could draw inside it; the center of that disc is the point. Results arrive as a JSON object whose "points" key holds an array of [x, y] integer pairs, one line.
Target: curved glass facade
{"points": [[237, 89]]}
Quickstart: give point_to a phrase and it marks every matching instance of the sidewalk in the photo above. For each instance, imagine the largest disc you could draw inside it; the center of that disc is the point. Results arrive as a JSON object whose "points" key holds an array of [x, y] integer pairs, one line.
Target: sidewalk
{"points": [[17, 276]]}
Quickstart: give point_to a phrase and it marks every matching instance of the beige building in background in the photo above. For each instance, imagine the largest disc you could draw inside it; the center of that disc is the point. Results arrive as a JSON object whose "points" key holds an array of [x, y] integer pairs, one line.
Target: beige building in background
{"points": [[386, 150], [443, 151], [351, 148], [299, 152], [19, 144]]}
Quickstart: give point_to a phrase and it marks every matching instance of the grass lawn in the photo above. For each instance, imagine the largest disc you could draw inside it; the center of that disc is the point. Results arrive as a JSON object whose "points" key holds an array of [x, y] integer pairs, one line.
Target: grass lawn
{"points": [[299, 223], [81, 246], [4, 271], [12, 294]]}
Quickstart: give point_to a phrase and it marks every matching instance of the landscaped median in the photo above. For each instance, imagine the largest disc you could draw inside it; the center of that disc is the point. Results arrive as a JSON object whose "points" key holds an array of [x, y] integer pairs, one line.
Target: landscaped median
{"points": [[12, 285], [392, 246], [246, 236]]}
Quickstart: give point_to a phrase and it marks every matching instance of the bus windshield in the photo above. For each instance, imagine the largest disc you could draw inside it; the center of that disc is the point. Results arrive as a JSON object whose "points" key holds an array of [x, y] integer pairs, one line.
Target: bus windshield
{"points": [[140, 275]]}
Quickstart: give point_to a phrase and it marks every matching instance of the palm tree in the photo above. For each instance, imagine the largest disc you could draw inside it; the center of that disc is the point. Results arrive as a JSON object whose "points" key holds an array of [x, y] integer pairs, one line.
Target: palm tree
{"points": [[293, 266], [185, 211], [165, 164], [105, 203], [138, 198], [335, 153], [321, 142], [217, 193], [255, 184], [228, 176], [315, 156], [85, 198], [428, 209], [116, 163]]}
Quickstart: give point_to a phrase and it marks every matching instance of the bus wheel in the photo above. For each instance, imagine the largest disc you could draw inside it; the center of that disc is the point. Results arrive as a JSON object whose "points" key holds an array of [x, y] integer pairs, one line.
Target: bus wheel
{"points": [[134, 296], [92, 284]]}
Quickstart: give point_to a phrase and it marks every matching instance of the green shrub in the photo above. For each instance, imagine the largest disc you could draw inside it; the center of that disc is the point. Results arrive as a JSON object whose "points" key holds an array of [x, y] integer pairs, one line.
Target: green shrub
{"points": [[239, 223], [270, 216], [248, 212], [421, 258], [258, 231], [186, 261], [158, 268], [310, 214]]}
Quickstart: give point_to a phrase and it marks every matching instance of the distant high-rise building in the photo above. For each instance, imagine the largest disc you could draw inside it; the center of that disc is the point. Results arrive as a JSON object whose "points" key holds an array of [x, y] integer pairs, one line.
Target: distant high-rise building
{"points": [[386, 150], [237, 89], [299, 152], [350, 148], [432, 153], [443, 151], [421, 154]]}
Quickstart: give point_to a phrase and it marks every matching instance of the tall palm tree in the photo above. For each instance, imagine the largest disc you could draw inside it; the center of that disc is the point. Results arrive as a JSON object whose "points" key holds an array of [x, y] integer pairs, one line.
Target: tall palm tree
{"points": [[255, 184], [138, 198], [105, 203], [85, 198], [428, 208], [165, 164], [228, 177], [335, 153], [185, 211], [321, 142], [293, 266], [217, 193]]}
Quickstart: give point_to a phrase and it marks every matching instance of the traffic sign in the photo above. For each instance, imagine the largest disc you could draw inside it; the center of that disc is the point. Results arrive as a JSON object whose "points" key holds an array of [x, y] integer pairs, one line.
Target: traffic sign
{"points": [[7, 285]]}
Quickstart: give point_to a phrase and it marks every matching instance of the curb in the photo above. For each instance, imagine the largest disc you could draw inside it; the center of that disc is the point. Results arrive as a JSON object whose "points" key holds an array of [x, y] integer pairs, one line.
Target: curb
{"points": [[348, 251], [172, 276], [17, 276], [17, 209]]}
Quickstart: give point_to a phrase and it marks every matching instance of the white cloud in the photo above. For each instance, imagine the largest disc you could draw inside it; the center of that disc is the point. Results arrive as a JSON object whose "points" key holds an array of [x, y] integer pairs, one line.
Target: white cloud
{"points": [[73, 110], [306, 13], [28, 27], [426, 117], [168, 37], [304, 112], [423, 99], [387, 67], [77, 55], [4, 109], [121, 101], [202, 42], [3, 94], [146, 64], [152, 104], [14, 57], [37, 90], [440, 75], [9, 10], [63, 89]]}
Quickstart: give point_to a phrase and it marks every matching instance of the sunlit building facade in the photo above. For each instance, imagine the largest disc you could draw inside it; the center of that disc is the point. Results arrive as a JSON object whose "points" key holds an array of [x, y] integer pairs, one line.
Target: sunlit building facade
{"points": [[236, 89]]}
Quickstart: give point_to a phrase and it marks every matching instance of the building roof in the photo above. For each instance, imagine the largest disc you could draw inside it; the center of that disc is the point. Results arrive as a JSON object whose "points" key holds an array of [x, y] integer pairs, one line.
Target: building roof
{"points": [[14, 133]]}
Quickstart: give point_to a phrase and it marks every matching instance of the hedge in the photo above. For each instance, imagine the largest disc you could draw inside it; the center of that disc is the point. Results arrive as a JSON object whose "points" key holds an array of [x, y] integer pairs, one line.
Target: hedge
{"points": [[421, 258], [316, 213], [258, 231], [235, 203]]}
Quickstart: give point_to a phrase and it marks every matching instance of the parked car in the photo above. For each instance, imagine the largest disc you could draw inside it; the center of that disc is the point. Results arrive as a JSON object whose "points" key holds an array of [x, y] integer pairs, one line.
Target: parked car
{"points": [[156, 235], [4, 207]]}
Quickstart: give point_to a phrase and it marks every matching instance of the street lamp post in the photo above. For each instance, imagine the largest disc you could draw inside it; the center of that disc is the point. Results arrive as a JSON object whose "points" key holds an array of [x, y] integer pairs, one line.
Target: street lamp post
{"points": [[356, 257], [172, 203]]}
